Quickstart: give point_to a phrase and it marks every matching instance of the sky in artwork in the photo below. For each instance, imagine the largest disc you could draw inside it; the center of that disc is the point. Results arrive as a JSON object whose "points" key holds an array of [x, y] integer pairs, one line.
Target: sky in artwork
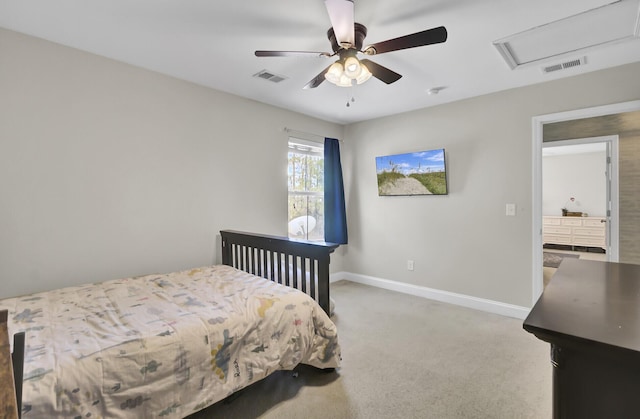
{"points": [[408, 163]]}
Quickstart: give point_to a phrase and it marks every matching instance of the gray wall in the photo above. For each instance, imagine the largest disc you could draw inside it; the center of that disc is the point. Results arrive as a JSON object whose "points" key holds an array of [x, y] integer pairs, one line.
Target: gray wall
{"points": [[463, 242], [107, 170]]}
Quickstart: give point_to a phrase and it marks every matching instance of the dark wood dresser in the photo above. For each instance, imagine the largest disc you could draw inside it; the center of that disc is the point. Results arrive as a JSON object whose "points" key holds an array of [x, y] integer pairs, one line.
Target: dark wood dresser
{"points": [[590, 314]]}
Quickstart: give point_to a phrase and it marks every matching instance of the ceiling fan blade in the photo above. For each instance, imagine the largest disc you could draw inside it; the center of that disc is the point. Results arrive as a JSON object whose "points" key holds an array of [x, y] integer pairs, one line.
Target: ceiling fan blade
{"points": [[380, 72], [317, 80], [342, 20], [260, 53], [418, 39]]}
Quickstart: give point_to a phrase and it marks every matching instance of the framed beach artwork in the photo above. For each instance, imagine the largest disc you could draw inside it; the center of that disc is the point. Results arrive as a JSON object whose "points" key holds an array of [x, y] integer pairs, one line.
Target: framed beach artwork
{"points": [[419, 173]]}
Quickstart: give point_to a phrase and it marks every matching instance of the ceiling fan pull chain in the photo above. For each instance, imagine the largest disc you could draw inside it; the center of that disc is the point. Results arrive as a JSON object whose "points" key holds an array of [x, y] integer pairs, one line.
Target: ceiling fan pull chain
{"points": [[353, 99]]}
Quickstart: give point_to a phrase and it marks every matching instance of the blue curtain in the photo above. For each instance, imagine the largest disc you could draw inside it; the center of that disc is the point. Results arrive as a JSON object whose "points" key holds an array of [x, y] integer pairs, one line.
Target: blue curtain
{"points": [[335, 216]]}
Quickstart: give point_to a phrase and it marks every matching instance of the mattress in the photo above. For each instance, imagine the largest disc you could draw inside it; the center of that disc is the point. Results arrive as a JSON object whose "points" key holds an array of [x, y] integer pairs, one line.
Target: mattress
{"points": [[162, 345]]}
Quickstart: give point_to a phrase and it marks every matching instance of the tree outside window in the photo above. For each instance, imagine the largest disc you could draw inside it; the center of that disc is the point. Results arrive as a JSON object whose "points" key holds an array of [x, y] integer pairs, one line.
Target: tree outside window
{"points": [[306, 190]]}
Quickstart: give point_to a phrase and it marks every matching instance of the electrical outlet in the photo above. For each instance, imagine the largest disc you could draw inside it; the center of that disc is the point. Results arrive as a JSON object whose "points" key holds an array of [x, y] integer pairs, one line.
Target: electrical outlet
{"points": [[410, 265]]}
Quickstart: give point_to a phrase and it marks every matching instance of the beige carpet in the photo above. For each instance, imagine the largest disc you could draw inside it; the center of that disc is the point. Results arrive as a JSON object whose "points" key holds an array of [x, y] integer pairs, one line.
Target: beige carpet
{"points": [[548, 272], [408, 357], [554, 259]]}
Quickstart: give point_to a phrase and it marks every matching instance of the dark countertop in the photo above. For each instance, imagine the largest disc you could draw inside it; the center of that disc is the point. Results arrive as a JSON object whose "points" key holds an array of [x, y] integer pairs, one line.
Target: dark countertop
{"points": [[590, 301]]}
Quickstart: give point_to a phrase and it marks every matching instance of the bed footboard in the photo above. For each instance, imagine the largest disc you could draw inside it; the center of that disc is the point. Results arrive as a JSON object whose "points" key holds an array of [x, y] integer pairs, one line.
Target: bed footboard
{"points": [[300, 264], [9, 399]]}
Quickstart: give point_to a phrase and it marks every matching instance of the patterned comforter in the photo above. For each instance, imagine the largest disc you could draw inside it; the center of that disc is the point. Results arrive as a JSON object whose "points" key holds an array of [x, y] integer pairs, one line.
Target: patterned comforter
{"points": [[162, 345]]}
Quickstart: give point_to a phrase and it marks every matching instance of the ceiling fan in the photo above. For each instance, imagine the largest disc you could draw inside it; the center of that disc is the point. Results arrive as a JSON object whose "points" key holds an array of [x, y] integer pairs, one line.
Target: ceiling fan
{"points": [[346, 37]]}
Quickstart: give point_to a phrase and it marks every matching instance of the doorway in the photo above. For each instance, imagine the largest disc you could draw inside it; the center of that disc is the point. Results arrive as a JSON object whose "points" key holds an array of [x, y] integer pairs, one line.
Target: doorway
{"points": [[579, 200], [538, 130]]}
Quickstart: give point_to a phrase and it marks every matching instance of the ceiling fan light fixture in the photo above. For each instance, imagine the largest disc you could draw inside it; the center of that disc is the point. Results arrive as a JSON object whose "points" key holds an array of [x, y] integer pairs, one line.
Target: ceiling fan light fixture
{"points": [[345, 81], [334, 73], [338, 75], [364, 75], [352, 67]]}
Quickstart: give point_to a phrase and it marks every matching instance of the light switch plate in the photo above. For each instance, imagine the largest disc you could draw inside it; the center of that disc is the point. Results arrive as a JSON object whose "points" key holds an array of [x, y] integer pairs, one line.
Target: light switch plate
{"points": [[511, 210]]}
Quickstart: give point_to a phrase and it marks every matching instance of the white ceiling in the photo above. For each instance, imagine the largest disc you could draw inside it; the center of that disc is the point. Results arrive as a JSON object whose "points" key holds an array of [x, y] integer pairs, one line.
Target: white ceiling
{"points": [[212, 43]]}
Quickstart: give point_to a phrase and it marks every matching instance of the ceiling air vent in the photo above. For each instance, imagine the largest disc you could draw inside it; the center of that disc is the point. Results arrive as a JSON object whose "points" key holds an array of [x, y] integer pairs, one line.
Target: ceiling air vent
{"points": [[267, 75], [564, 65]]}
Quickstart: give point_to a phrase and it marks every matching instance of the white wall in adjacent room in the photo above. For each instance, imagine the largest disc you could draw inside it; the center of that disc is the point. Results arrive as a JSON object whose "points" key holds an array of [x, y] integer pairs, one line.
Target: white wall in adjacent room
{"points": [[581, 176]]}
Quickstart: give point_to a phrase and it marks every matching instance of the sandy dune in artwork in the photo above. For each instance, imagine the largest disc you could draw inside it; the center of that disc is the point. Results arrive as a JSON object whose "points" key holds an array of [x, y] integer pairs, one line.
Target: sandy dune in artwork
{"points": [[404, 186]]}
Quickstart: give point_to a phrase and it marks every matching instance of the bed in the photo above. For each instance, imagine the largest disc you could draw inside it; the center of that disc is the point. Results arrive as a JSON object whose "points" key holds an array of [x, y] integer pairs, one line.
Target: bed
{"points": [[169, 345]]}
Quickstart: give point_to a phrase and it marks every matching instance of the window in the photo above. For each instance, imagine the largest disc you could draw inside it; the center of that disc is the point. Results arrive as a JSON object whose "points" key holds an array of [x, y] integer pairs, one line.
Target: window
{"points": [[306, 190]]}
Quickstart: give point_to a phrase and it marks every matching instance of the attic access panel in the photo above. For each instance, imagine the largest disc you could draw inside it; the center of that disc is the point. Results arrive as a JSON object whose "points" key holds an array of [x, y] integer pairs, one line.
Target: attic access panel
{"points": [[613, 22]]}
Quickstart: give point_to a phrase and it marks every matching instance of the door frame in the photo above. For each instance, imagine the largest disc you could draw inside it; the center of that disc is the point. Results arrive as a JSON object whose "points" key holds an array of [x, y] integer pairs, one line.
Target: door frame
{"points": [[611, 198], [536, 213]]}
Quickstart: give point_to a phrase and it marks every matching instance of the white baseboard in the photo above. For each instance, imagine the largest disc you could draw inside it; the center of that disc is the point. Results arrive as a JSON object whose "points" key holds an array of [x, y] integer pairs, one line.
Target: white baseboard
{"points": [[476, 303]]}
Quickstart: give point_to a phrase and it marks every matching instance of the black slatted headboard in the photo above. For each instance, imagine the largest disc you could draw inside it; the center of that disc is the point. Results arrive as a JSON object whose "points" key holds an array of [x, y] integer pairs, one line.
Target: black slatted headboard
{"points": [[300, 264]]}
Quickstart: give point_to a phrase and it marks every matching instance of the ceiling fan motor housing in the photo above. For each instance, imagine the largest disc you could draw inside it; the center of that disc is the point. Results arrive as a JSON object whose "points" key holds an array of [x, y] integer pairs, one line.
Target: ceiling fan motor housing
{"points": [[359, 35]]}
